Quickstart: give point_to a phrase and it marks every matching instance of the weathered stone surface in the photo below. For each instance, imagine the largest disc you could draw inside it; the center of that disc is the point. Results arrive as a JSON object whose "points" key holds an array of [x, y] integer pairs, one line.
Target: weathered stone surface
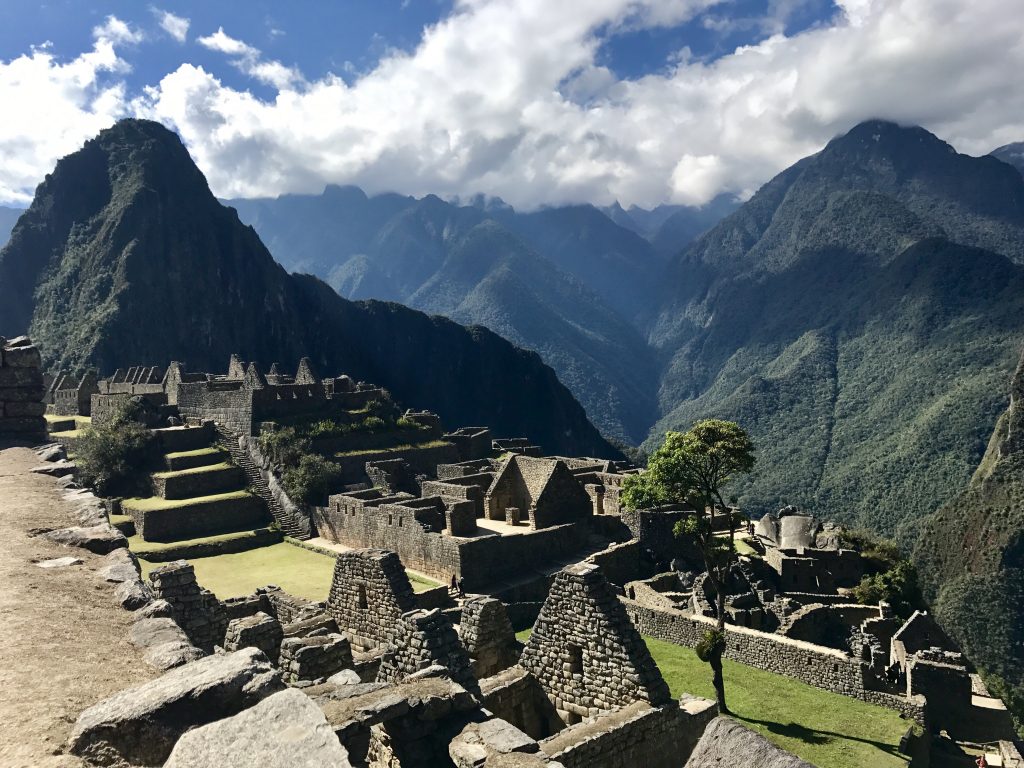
{"points": [[22, 356], [727, 744], [257, 631], [55, 468], [53, 453], [133, 594], [60, 562], [165, 646], [158, 609], [140, 725], [101, 539], [286, 730], [345, 677], [121, 566], [68, 481]]}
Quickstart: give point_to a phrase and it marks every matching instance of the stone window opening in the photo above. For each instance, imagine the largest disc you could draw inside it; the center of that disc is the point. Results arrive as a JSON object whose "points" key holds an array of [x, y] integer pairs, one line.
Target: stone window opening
{"points": [[399, 522], [391, 519], [575, 659], [363, 604]]}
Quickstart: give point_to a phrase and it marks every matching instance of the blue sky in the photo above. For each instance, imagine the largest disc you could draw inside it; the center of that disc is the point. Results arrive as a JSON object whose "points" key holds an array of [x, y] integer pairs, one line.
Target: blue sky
{"points": [[641, 101]]}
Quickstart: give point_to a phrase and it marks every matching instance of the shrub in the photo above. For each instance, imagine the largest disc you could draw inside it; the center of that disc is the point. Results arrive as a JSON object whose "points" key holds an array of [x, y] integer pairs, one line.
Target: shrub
{"points": [[112, 456], [284, 446], [898, 586], [311, 480], [880, 555]]}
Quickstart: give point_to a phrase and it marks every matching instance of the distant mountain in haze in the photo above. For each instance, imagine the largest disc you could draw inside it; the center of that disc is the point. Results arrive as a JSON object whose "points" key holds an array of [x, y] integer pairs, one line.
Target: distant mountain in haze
{"points": [[858, 315], [1012, 154], [126, 258], [8, 217], [568, 282]]}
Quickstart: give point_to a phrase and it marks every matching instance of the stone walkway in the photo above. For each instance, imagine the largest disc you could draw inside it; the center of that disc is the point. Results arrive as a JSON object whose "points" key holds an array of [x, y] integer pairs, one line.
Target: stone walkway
{"points": [[63, 643]]}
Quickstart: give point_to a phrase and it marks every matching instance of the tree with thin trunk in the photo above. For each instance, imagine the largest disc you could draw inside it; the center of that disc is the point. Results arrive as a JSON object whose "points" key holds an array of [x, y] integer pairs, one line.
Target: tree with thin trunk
{"points": [[693, 467]]}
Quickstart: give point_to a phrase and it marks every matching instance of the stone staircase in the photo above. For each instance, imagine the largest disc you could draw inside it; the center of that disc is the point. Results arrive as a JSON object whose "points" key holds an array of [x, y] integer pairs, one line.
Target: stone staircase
{"points": [[288, 521]]}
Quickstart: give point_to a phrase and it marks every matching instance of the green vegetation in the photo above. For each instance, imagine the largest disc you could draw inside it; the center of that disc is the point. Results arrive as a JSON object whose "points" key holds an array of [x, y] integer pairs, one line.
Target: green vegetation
{"points": [[402, 447], [823, 728], [111, 457], [149, 503], [826, 729], [312, 480], [693, 467], [144, 548], [300, 572], [196, 452], [194, 470]]}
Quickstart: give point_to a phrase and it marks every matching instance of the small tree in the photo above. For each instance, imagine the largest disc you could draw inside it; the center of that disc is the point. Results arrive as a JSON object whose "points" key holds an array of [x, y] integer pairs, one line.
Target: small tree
{"points": [[693, 467]]}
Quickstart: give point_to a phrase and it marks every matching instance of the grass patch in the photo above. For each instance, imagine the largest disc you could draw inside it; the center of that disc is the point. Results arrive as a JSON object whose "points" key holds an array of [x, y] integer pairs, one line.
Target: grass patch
{"points": [[298, 571], [421, 583], [194, 470], [826, 729], [81, 421], [402, 447], [155, 502], [142, 548], [71, 433], [195, 452]]}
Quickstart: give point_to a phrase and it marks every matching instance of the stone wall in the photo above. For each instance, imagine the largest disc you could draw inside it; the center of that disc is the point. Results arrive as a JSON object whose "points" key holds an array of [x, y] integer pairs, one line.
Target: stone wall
{"points": [[585, 652], [637, 735], [257, 631], [619, 562], [487, 633], [197, 611], [313, 659], [816, 665], [423, 639], [21, 390], [369, 594], [228, 403], [515, 696]]}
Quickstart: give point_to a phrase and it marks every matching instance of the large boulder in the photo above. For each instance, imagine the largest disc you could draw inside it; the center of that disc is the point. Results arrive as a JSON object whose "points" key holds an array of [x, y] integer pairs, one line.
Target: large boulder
{"points": [[163, 643], [140, 725], [101, 539], [286, 730], [727, 744]]}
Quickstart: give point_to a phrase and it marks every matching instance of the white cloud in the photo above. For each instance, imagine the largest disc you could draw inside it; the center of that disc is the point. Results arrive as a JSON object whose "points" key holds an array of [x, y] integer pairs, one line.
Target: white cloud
{"points": [[510, 98], [249, 60], [175, 26], [50, 109], [117, 32]]}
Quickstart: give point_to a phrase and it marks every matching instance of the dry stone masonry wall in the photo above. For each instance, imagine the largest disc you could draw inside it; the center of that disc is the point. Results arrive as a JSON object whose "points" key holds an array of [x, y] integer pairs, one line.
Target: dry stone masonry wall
{"points": [[369, 593], [21, 390], [586, 653]]}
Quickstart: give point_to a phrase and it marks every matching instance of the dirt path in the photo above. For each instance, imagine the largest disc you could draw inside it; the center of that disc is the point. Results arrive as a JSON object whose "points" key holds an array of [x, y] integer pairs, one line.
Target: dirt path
{"points": [[63, 636]]}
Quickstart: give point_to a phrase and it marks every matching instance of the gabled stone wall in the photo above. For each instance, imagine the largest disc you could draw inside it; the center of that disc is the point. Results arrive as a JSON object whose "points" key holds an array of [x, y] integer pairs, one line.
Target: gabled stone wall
{"points": [[369, 593], [585, 652], [21, 389]]}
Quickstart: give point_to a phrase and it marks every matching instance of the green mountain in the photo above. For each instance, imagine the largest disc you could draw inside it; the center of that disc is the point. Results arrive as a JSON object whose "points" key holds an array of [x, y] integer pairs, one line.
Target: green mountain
{"points": [[971, 556], [563, 282], [125, 257], [857, 315], [1012, 154]]}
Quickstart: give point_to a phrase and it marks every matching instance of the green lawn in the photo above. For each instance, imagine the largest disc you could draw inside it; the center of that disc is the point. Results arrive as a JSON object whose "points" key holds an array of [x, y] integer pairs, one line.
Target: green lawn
{"points": [[297, 570], [402, 447], [300, 572], [194, 470], [826, 729], [155, 502], [194, 452]]}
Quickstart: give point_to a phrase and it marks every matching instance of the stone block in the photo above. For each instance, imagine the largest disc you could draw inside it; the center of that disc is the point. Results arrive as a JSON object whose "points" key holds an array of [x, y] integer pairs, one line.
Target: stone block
{"points": [[22, 356], [18, 378], [140, 725]]}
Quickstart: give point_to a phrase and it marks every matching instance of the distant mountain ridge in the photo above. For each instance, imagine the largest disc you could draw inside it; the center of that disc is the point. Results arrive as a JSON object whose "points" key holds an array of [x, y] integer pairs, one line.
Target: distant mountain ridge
{"points": [[568, 282], [856, 314], [125, 257], [1012, 154]]}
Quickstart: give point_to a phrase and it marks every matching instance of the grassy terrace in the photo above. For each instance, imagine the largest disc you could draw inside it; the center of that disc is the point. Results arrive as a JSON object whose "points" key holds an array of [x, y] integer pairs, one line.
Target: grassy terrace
{"points": [[195, 470], [297, 570], [826, 729], [196, 452], [402, 447], [155, 502]]}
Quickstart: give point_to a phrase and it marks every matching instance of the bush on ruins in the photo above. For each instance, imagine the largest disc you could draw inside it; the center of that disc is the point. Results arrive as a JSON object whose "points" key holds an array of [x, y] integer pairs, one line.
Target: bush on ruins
{"points": [[111, 455], [312, 480]]}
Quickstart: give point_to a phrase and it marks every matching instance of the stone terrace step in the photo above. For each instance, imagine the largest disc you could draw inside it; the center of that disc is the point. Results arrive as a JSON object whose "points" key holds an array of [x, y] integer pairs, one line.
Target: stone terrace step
{"points": [[176, 439], [158, 519], [206, 546], [198, 481], [201, 457]]}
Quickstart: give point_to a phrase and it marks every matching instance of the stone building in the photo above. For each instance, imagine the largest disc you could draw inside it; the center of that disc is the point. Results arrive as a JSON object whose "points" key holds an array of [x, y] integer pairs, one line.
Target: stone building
{"points": [[536, 491], [72, 396], [369, 594], [21, 390]]}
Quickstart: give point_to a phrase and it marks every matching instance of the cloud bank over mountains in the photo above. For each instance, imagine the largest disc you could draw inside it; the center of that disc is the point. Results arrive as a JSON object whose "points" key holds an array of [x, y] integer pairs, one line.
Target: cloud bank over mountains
{"points": [[510, 98]]}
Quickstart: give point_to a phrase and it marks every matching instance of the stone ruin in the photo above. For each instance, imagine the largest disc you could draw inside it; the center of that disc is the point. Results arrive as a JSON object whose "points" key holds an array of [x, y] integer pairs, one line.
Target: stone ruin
{"points": [[21, 390], [370, 592], [585, 652], [487, 633]]}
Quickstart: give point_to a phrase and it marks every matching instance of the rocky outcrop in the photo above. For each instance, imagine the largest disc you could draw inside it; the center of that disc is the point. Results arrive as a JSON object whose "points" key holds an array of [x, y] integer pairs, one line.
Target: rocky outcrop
{"points": [[140, 725], [101, 539], [163, 643], [727, 744], [285, 730]]}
